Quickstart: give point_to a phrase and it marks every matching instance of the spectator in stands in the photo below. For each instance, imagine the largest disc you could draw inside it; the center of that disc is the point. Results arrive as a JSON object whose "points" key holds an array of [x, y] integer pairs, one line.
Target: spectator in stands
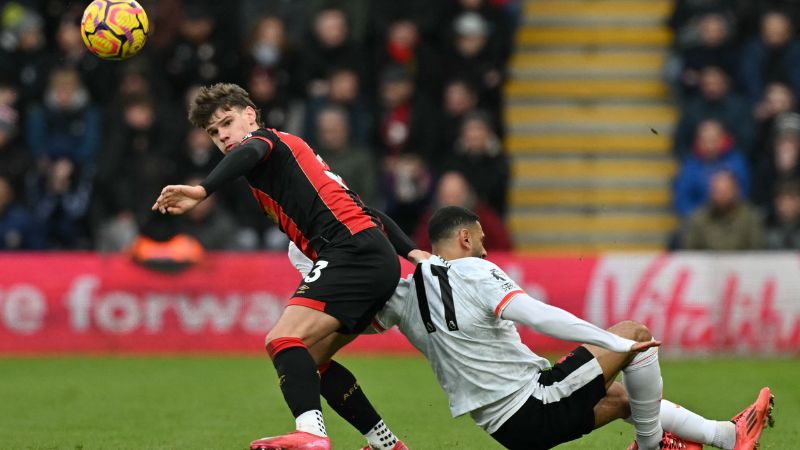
{"points": [[17, 228], [726, 222], [138, 160], [351, 162], [500, 24], [460, 98], [453, 190], [715, 101], [405, 47], [783, 226], [684, 18], [406, 120], [71, 52], [202, 52], [15, 161], [714, 150], [345, 93], [269, 48], [778, 99], [23, 56], [427, 15], [66, 124], [59, 197], [479, 156], [714, 48], [782, 162], [774, 56], [329, 47], [407, 183], [471, 57], [271, 99], [212, 225]]}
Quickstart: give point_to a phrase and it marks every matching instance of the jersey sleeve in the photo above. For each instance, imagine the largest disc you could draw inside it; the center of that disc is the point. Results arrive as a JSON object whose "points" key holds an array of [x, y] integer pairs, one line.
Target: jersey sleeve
{"points": [[494, 287], [237, 163]]}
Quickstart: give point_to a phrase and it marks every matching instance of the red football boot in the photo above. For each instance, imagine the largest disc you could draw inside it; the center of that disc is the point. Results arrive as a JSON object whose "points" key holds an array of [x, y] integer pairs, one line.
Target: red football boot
{"points": [[296, 440], [750, 422], [672, 442]]}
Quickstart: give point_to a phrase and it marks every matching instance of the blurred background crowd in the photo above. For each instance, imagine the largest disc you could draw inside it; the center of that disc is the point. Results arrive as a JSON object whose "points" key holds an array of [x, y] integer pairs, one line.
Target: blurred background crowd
{"points": [[735, 71], [402, 99]]}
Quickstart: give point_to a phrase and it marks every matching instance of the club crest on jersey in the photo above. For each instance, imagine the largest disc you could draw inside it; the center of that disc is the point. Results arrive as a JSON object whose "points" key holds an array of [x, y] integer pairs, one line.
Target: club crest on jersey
{"points": [[496, 274], [246, 137]]}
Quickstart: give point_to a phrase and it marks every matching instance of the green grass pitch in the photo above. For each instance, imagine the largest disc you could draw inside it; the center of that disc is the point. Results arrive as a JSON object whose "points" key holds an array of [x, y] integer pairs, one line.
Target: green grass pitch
{"points": [[224, 402]]}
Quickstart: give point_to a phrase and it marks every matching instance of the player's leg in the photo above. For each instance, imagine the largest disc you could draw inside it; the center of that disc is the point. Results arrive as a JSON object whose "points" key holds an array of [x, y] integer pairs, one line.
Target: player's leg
{"points": [[350, 281], [642, 379], [742, 432], [287, 344], [345, 396]]}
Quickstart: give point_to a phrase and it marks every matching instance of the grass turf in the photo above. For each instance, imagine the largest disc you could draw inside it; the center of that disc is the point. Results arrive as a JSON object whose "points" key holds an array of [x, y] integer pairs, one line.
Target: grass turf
{"points": [[224, 402]]}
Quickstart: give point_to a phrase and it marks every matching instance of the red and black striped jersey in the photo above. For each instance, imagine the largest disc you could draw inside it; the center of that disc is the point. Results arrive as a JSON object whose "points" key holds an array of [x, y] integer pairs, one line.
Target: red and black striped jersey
{"points": [[298, 191]]}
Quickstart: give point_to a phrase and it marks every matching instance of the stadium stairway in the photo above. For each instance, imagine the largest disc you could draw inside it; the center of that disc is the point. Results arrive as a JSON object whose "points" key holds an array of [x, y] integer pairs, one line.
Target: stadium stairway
{"points": [[589, 124]]}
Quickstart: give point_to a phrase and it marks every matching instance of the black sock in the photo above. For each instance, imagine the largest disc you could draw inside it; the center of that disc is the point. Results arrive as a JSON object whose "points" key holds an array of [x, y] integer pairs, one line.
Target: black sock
{"points": [[297, 376], [345, 396]]}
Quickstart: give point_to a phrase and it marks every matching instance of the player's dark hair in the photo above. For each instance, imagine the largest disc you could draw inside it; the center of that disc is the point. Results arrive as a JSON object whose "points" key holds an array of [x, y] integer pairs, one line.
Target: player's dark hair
{"points": [[446, 220], [219, 95]]}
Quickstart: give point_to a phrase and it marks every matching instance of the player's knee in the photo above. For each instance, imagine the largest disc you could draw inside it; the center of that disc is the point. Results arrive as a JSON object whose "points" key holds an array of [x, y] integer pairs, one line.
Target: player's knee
{"points": [[632, 330]]}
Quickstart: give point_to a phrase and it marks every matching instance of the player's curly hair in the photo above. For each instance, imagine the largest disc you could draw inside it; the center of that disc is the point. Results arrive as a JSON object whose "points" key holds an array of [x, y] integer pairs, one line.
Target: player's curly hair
{"points": [[219, 95]]}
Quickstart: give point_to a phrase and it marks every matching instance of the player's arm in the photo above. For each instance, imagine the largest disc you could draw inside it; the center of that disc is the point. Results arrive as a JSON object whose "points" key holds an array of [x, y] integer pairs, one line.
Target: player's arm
{"points": [[235, 164], [560, 324], [178, 199], [402, 244]]}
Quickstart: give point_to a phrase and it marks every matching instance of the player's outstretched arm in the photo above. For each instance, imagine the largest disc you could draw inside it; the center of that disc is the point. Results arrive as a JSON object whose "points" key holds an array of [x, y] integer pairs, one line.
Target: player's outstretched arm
{"points": [[561, 324], [402, 244], [178, 199]]}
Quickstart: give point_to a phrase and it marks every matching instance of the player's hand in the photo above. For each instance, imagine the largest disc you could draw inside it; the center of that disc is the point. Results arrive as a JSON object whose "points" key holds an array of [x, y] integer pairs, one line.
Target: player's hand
{"points": [[416, 256], [178, 199], [642, 346]]}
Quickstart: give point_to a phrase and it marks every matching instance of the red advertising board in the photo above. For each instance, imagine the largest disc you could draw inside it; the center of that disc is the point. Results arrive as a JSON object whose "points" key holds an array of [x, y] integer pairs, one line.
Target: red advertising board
{"points": [[87, 302]]}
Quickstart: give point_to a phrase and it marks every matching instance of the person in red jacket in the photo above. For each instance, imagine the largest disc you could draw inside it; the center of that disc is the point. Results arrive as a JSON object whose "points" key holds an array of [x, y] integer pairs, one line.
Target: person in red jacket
{"points": [[453, 190]]}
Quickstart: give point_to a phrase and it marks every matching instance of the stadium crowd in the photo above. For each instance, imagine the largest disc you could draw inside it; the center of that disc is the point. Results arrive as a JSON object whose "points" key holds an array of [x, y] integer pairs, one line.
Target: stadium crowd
{"points": [[735, 69], [403, 99]]}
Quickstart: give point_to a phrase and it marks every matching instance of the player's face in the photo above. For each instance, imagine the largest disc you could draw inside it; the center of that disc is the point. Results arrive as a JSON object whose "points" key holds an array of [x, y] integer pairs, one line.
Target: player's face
{"points": [[476, 241], [228, 127]]}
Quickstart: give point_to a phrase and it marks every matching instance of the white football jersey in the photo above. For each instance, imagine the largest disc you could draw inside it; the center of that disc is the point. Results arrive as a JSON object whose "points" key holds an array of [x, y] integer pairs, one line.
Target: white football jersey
{"points": [[449, 310]]}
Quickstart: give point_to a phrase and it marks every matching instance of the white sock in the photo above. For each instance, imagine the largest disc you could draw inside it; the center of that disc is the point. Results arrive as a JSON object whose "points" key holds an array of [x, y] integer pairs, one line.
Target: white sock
{"points": [[311, 422], [381, 437], [693, 427], [642, 380]]}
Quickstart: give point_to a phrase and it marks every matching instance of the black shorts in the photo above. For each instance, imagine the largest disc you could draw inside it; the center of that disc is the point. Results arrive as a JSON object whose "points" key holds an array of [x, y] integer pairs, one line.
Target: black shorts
{"points": [[351, 280], [539, 426]]}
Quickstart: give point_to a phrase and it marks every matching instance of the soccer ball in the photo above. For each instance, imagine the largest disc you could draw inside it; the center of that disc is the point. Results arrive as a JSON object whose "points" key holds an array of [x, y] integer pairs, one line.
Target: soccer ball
{"points": [[114, 29]]}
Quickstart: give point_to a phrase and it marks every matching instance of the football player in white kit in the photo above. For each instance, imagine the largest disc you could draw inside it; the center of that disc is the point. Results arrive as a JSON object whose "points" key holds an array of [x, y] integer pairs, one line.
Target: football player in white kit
{"points": [[460, 311]]}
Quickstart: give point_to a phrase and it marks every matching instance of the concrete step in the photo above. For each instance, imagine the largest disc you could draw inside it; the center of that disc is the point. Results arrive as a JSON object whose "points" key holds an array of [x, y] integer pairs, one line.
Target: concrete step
{"points": [[593, 224], [598, 8], [593, 36], [588, 88], [597, 169], [564, 63], [592, 198], [644, 116], [588, 144], [651, 12]]}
